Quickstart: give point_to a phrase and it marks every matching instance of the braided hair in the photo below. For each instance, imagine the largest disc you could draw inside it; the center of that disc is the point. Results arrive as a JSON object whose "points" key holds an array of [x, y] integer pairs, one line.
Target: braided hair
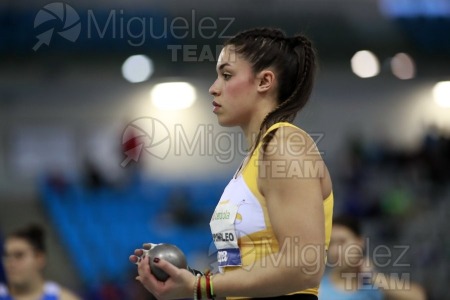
{"points": [[294, 62]]}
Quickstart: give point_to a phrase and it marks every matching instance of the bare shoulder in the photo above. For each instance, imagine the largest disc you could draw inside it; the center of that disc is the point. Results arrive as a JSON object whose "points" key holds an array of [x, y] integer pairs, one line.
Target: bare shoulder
{"points": [[68, 295], [292, 142], [292, 154], [293, 148]]}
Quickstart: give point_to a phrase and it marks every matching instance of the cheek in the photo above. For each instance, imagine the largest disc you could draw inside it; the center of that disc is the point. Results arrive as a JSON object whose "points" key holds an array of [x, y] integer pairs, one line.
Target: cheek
{"points": [[28, 264], [332, 251], [238, 89]]}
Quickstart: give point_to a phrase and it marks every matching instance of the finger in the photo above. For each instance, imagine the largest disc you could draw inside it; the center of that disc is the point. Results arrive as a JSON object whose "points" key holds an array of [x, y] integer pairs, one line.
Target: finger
{"points": [[138, 252], [145, 275], [133, 259], [166, 266], [148, 246], [144, 270]]}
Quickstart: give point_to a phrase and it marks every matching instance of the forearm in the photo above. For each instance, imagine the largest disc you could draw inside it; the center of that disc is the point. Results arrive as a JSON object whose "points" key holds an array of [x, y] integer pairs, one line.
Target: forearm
{"points": [[272, 276]]}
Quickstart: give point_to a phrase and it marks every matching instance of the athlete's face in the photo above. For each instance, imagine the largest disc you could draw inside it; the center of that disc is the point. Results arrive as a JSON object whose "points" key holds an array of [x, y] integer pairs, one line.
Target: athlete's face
{"points": [[346, 248], [234, 90], [22, 263]]}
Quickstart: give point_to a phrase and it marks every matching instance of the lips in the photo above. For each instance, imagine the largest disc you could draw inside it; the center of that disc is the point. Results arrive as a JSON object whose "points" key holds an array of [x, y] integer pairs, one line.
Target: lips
{"points": [[216, 106]]}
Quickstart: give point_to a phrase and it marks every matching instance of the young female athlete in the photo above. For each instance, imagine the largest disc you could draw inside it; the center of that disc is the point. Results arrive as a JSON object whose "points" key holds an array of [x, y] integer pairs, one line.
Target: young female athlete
{"points": [[272, 224], [24, 261]]}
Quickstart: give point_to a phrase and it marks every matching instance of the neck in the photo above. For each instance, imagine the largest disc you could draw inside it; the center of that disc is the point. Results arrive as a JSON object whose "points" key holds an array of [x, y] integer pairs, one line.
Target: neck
{"points": [[251, 128], [32, 288]]}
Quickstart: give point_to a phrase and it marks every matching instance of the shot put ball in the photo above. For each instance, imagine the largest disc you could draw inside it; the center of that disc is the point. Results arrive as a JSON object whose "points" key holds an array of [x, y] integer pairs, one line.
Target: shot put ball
{"points": [[170, 253]]}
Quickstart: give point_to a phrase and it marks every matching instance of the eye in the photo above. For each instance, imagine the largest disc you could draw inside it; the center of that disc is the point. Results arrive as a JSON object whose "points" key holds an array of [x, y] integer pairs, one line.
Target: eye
{"points": [[226, 76], [16, 255], [19, 255]]}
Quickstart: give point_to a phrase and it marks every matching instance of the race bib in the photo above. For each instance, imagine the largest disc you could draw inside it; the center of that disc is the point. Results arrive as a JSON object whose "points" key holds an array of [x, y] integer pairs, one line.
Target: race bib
{"points": [[224, 234]]}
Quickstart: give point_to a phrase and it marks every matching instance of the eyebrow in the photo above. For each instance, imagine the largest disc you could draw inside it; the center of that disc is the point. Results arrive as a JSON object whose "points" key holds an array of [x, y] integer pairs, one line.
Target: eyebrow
{"points": [[223, 66]]}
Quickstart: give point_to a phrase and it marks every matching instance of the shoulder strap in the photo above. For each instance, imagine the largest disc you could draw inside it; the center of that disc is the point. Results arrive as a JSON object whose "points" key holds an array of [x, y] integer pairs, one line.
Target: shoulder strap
{"points": [[278, 125]]}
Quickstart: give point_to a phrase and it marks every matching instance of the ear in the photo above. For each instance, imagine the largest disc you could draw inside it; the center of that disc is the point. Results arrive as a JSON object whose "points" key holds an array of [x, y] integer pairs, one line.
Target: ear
{"points": [[265, 80], [41, 260]]}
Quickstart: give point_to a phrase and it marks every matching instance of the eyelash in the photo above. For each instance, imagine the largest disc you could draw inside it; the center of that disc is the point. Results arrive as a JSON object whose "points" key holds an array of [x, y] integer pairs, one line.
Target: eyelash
{"points": [[226, 76]]}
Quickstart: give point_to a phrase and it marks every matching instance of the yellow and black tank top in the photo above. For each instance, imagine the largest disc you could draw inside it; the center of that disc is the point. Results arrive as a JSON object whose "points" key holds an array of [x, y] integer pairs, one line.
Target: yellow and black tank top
{"points": [[240, 225]]}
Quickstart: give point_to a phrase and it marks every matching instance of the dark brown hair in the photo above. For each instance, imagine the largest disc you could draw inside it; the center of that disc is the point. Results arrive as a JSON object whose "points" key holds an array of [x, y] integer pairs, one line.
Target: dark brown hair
{"points": [[294, 62], [351, 223], [33, 234]]}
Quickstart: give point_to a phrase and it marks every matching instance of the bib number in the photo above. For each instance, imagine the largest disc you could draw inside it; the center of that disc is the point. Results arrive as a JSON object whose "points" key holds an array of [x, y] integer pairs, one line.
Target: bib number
{"points": [[224, 235]]}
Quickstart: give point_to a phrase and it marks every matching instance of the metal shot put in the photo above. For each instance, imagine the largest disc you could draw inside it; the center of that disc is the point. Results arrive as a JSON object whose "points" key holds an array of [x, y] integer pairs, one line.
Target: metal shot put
{"points": [[168, 252]]}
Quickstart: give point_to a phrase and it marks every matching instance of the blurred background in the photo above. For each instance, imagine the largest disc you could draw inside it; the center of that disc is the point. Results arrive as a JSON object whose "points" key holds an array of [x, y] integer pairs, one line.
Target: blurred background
{"points": [[108, 139]]}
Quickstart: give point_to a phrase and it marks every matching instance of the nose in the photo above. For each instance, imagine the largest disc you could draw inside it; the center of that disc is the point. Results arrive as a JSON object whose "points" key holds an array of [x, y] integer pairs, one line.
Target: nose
{"points": [[213, 89]]}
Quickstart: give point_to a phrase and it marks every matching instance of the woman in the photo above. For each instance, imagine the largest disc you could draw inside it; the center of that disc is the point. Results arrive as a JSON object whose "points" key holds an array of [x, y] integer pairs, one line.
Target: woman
{"points": [[24, 260], [272, 224]]}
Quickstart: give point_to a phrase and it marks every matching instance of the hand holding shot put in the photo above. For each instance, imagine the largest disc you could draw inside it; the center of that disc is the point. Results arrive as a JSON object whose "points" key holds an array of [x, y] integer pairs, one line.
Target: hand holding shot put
{"points": [[161, 268]]}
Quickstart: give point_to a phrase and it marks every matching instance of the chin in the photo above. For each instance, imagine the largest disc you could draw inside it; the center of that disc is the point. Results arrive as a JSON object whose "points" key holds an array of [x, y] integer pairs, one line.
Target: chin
{"points": [[225, 123], [16, 281]]}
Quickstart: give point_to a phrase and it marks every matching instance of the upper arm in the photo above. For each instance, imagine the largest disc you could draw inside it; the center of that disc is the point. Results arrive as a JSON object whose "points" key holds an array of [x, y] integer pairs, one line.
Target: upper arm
{"points": [[290, 179]]}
